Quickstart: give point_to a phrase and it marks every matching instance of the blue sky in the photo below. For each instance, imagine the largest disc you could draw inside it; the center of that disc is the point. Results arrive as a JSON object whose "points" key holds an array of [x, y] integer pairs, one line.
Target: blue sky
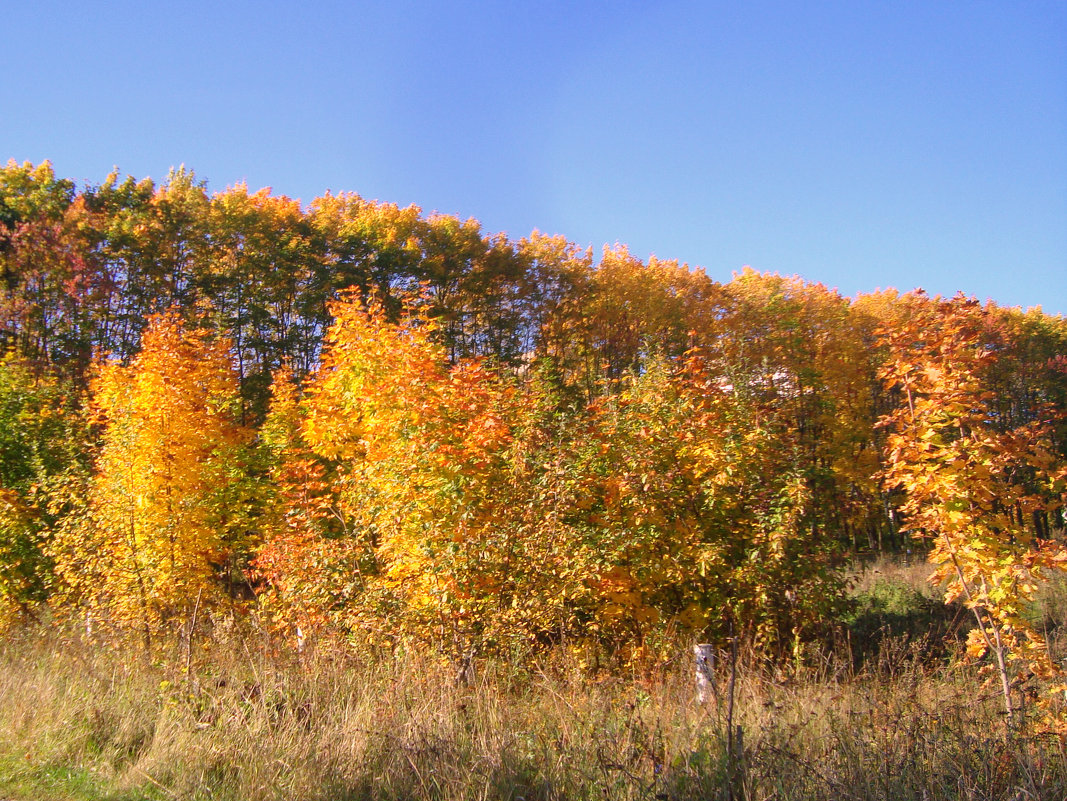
{"points": [[860, 144]]}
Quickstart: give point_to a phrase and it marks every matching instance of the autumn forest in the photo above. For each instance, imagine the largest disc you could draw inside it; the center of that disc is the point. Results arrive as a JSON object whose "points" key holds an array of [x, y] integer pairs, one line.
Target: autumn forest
{"points": [[376, 427]]}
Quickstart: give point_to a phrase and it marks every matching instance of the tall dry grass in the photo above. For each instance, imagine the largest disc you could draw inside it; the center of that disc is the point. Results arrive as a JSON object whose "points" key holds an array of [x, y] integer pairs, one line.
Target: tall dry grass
{"points": [[249, 722]]}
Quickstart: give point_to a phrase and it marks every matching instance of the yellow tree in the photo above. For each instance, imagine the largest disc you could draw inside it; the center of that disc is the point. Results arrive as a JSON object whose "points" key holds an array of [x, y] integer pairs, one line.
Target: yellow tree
{"points": [[630, 313], [970, 483], [795, 351], [166, 528], [695, 518], [420, 454]]}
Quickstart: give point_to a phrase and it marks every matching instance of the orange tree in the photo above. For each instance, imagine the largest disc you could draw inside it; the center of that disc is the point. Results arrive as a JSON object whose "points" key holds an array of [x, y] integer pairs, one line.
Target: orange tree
{"points": [[971, 482], [403, 492], [310, 566]]}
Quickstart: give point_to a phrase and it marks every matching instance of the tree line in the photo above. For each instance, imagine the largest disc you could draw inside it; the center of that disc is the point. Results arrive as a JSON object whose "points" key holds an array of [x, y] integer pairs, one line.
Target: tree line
{"points": [[362, 421]]}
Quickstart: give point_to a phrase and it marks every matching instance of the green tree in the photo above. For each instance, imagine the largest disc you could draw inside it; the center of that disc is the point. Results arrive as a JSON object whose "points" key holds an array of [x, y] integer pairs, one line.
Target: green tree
{"points": [[42, 441]]}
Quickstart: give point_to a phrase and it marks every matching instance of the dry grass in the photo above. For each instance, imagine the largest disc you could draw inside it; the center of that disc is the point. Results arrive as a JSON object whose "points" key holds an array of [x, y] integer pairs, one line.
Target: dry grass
{"points": [[913, 573], [80, 722]]}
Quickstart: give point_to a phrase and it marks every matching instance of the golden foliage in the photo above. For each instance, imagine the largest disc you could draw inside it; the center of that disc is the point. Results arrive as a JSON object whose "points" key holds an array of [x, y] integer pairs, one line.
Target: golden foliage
{"points": [[161, 536]]}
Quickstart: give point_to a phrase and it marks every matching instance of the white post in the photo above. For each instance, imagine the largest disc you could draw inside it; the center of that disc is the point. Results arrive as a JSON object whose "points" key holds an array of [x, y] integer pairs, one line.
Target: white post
{"points": [[704, 656]]}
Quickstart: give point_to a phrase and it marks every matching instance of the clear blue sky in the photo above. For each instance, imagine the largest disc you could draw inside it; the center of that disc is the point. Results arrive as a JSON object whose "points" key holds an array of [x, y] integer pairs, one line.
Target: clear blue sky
{"points": [[862, 144]]}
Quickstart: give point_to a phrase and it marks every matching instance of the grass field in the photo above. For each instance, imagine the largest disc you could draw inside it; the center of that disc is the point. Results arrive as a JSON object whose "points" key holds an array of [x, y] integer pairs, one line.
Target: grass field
{"points": [[890, 716]]}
